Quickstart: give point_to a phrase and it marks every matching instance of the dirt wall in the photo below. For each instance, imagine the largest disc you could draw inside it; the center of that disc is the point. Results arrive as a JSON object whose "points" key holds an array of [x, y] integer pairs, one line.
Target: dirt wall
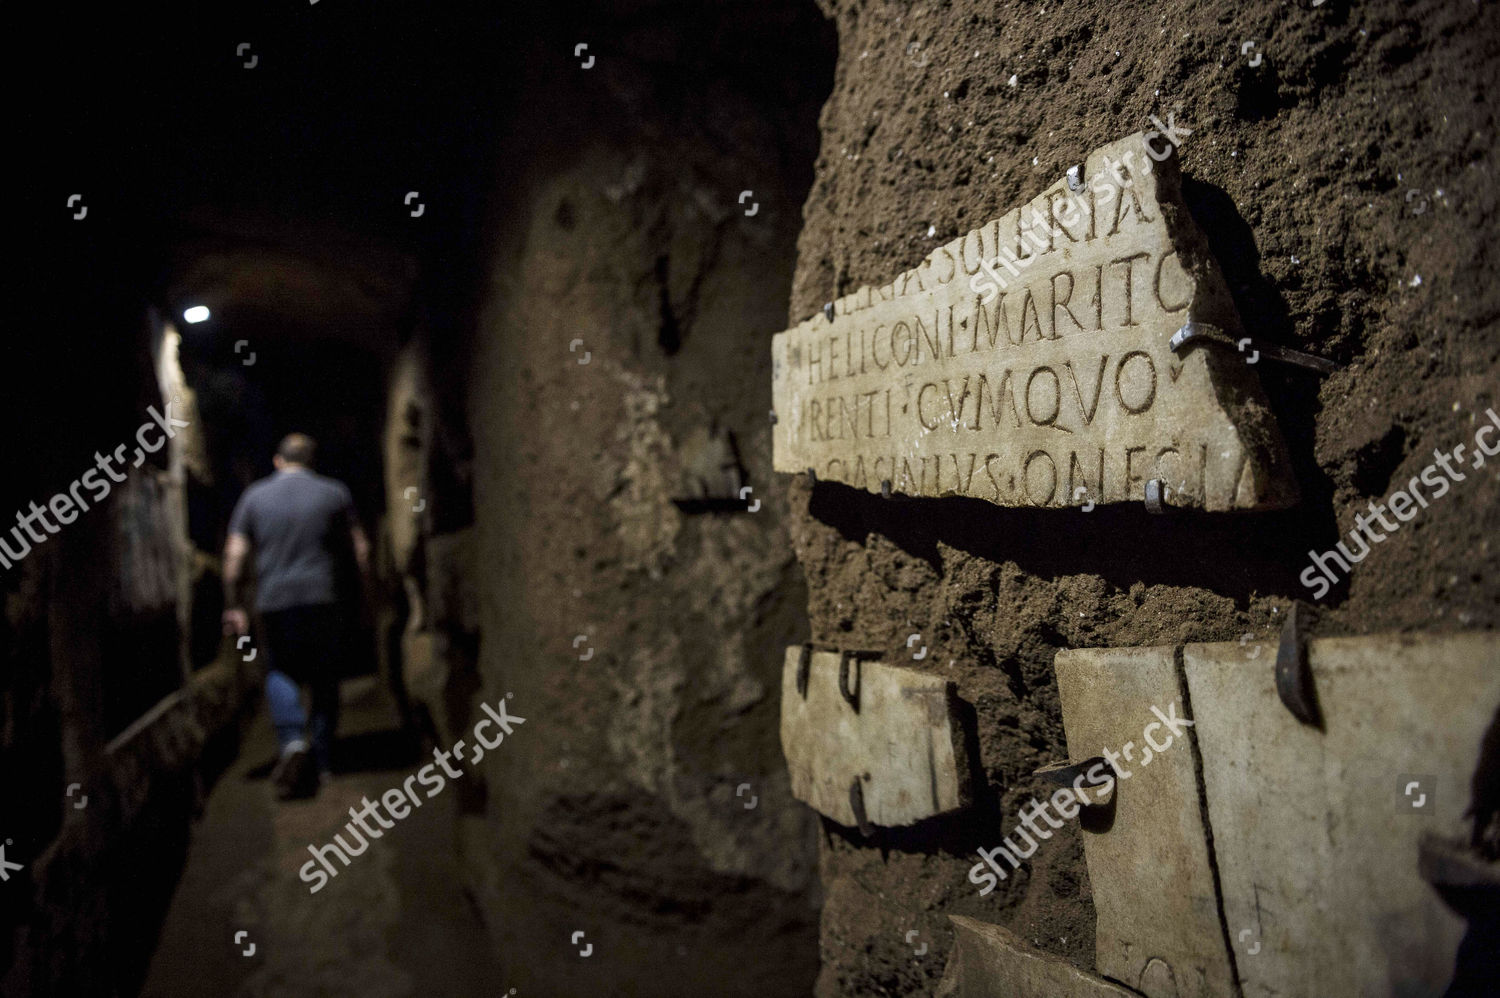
{"points": [[1346, 185], [620, 365]]}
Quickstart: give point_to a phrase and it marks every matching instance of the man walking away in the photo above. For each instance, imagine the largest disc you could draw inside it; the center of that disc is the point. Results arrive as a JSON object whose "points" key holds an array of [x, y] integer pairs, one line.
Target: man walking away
{"points": [[299, 523]]}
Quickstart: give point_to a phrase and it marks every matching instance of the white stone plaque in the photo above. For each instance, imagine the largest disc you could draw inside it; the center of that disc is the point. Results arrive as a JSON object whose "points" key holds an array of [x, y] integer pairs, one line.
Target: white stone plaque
{"points": [[1027, 363], [902, 743]]}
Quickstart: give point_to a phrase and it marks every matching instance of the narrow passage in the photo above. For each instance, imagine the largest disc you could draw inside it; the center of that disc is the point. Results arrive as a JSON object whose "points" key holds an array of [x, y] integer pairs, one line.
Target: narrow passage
{"points": [[395, 923]]}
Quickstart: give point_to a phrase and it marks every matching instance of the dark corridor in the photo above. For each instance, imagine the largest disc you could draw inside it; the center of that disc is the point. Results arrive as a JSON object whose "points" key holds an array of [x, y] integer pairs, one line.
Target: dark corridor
{"points": [[296, 217], [769, 456]]}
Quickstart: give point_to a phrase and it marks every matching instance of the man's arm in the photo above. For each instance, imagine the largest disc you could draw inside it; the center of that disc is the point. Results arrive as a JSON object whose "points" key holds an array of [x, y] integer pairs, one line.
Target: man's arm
{"points": [[357, 539], [361, 547], [236, 620]]}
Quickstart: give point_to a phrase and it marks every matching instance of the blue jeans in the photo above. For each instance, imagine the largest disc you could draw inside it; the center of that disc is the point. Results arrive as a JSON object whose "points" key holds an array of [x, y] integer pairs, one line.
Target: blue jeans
{"points": [[302, 643]]}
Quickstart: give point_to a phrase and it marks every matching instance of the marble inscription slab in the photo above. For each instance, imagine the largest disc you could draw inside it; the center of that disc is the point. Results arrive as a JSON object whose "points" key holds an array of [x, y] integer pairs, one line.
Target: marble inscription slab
{"points": [[904, 744], [993, 962], [1027, 363], [1293, 860], [1157, 927], [1316, 833]]}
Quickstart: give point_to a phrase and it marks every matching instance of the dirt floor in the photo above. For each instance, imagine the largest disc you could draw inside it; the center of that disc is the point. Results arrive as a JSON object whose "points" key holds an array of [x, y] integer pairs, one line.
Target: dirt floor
{"points": [[395, 922]]}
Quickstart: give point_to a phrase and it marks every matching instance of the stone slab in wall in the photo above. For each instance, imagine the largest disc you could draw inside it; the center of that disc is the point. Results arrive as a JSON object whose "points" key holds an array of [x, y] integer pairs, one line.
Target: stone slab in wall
{"points": [[904, 743], [1158, 927], [1315, 834], [1027, 362], [990, 961]]}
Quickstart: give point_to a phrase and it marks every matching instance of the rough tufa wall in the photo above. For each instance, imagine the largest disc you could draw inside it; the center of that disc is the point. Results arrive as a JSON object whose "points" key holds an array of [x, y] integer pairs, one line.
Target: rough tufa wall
{"points": [[614, 810], [1298, 170]]}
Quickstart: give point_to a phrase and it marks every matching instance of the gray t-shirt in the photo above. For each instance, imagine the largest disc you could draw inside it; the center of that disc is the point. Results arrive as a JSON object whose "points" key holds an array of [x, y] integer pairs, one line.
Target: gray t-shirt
{"points": [[298, 522]]}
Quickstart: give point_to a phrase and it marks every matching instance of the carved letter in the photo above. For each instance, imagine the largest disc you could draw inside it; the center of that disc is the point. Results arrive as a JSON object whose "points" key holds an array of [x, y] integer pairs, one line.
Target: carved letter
{"points": [[1119, 390]]}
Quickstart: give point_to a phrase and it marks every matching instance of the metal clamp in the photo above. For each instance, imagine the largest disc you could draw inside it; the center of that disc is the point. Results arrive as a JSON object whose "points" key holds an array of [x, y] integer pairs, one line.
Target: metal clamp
{"points": [[1194, 333], [886, 493], [1066, 774], [804, 667], [857, 805], [1294, 681], [1450, 867], [851, 694], [1074, 775], [1156, 497]]}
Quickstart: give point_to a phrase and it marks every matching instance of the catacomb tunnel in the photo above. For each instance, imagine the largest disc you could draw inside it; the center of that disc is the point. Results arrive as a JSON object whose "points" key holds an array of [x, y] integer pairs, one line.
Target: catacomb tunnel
{"points": [[833, 497]]}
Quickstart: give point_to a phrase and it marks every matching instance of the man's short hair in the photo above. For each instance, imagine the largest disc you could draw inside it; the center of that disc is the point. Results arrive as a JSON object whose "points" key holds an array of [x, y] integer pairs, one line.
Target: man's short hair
{"points": [[297, 448]]}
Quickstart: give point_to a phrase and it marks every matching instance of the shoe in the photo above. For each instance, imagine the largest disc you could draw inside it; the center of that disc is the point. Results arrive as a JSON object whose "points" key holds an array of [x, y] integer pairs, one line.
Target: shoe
{"points": [[307, 784], [291, 772]]}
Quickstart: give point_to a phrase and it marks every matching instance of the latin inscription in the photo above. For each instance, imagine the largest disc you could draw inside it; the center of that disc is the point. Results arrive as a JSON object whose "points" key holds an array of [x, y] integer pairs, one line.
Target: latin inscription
{"points": [[1027, 363]]}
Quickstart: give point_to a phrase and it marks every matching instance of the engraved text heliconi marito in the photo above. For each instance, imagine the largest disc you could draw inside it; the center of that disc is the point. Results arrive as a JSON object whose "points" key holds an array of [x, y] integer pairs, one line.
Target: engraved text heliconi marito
{"points": [[1054, 386]]}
